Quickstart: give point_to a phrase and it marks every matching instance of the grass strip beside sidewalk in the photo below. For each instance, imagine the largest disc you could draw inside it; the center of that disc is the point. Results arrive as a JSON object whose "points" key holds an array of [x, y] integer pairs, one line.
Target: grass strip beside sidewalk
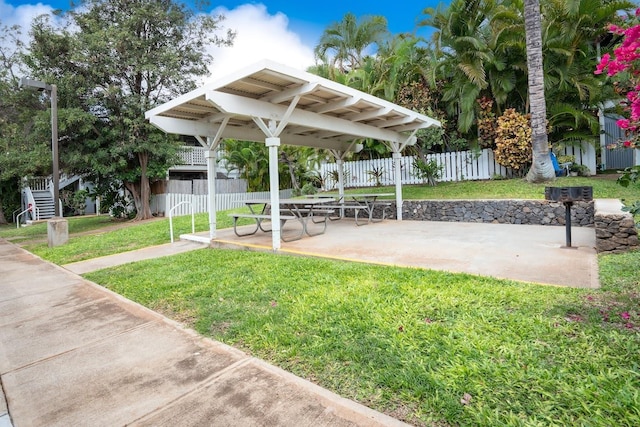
{"points": [[427, 347]]}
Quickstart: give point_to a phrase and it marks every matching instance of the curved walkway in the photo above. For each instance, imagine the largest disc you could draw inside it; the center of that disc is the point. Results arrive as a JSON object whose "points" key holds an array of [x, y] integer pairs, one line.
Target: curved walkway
{"points": [[74, 353]]}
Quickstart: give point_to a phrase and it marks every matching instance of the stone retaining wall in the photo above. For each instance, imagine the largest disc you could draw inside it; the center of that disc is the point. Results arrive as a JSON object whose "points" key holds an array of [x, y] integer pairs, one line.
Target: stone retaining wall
{"points": [[615, 229]]}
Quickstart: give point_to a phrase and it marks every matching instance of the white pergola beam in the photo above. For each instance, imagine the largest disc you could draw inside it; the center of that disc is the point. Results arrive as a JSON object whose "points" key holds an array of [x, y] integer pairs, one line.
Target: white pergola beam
{"points": [[184, 126], [335, 105], [202, 129], [367, 115], [397, 122], [289, 94], [235, 105]]}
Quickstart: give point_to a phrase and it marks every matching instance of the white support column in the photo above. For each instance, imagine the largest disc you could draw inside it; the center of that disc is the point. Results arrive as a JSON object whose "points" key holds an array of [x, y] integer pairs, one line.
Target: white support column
{"points": [[398, 179], [211, 186], [274, 185], [339, 165]]}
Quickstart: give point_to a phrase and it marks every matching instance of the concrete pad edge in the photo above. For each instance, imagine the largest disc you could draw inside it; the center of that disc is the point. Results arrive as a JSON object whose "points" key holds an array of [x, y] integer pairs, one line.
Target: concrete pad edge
{"points": [[344, 407]]}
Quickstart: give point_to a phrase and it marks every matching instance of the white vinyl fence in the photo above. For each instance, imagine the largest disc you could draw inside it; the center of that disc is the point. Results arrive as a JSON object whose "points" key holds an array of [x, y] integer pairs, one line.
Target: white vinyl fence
{"points": [[456, 166], [161, 203], [199, 186]]}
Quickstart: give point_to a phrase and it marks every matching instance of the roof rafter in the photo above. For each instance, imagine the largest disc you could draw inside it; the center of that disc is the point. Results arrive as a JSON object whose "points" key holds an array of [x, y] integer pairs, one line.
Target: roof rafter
{"points": [[192, 128], [232, 104]]}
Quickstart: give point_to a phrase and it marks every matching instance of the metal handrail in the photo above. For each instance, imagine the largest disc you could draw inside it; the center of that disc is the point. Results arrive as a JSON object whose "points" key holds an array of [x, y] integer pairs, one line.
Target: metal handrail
{"points": [[29, 209], [193, 224], [13, 215]]}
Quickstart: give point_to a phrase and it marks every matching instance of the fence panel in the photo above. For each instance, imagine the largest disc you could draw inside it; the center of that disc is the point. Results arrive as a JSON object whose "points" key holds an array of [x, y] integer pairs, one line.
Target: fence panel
{"points": [[456, 166], [161, 203], [584, 154], [179, 186]]}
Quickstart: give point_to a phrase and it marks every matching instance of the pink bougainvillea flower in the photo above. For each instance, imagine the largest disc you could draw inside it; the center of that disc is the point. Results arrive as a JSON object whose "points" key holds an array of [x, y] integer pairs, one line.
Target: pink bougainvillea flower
{"points": [[623, 123], [625, 315]]}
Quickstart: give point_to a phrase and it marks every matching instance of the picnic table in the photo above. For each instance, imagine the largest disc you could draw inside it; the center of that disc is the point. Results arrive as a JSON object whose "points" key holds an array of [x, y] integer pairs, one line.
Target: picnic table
{"points": [[357, 202], [301, 210]]}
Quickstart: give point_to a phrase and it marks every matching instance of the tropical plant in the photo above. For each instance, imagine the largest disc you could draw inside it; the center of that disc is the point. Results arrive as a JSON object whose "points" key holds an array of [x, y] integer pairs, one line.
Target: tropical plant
{"points": [[513, 140], [476, 42], [251, 160], [427, 170], [376, 173], [573, 33], [343, 45]]}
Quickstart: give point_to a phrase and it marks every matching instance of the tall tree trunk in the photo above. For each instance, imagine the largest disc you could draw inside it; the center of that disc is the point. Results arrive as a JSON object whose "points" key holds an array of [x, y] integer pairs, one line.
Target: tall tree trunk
{"points": [[541, 167], [141, 191], [144, 209]]}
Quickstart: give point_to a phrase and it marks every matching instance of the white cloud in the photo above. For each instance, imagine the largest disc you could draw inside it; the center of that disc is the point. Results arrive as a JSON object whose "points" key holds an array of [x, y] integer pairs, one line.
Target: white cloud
{"points": [[22, 15], [258, 36]]}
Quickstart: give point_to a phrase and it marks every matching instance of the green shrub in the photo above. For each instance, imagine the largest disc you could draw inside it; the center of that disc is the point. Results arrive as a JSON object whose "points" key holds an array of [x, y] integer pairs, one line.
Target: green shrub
{"points": [[428, 171]]}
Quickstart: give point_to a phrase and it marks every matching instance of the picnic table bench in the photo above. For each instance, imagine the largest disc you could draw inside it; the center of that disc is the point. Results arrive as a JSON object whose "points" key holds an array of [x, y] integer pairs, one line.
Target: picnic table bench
{"points": [[290, 209], [358, 203]]}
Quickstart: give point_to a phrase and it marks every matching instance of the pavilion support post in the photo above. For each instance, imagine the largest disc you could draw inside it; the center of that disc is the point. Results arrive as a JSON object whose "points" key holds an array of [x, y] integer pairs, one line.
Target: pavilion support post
{"points": [[398, 180], [274, 186], [211, 186], [340, 166]]}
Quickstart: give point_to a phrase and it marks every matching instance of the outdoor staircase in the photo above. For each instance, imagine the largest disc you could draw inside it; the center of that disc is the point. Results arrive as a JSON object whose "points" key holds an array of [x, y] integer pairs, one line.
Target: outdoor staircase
{"points": [[44, 202]]}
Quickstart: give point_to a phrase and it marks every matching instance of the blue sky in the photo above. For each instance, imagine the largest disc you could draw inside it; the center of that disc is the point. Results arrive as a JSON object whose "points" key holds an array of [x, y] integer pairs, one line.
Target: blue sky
{"points": [[281, 30]]}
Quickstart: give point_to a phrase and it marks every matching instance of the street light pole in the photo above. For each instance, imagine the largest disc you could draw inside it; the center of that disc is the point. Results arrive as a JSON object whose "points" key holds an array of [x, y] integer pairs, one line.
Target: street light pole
{"points": [[54, 149], [53, 94]]}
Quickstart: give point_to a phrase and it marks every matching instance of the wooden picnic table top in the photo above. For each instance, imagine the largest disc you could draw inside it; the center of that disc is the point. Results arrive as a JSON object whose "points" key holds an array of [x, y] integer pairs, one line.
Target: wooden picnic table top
{"points": [[291, 201]]}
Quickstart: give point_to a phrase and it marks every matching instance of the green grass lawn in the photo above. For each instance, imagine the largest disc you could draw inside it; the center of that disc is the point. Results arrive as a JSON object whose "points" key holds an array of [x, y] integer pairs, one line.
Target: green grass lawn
{"points": [[428, 347], [87, 240], [431, 348]]}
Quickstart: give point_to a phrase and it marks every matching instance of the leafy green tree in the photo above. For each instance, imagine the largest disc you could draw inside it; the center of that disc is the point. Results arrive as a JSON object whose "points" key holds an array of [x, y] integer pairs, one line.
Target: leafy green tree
{"points": [[25, 130], [123, 58]]}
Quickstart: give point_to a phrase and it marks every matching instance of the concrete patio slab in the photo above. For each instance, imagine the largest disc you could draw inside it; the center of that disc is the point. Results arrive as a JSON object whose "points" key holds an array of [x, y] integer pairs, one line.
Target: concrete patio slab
{"points": [[531, 253]]}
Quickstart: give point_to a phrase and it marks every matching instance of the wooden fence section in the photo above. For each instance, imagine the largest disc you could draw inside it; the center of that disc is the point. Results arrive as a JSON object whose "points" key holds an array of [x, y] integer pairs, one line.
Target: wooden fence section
{"points": [[161, 203], [456, 166], [199, 186]]}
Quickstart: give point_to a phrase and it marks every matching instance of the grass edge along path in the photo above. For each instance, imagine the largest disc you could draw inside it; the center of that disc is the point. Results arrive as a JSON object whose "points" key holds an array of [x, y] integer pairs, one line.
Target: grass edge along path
{"points": [[427, 347]]}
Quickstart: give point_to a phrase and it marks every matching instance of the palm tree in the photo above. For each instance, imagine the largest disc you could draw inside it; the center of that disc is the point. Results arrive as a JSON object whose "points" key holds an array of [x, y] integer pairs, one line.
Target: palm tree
{"points": [[348, 40], [572, 30], [477, 44], [541, 168]]}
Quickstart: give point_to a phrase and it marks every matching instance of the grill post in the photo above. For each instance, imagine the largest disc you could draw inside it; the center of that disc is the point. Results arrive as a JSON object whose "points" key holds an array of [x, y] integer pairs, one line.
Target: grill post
{"points": [[568, 195], [567, 222]]}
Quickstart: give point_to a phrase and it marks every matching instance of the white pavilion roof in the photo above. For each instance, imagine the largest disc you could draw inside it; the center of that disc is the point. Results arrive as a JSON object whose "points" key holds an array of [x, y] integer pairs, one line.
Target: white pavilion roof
{"points": [[316, 112]]}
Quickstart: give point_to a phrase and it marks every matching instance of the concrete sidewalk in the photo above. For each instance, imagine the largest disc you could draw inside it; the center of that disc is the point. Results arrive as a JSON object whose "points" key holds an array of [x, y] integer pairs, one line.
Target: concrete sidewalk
{"points": [[74, 353], [150, 252]]}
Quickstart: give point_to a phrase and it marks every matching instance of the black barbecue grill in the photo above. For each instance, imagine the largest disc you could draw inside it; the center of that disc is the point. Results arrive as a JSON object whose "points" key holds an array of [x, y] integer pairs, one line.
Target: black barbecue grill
{"points": [[568, 195]]}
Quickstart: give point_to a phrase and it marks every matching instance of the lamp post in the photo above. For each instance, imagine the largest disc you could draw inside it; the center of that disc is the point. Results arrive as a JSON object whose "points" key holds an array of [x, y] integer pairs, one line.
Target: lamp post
{"points": [[57, 227], [53, 94]]}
